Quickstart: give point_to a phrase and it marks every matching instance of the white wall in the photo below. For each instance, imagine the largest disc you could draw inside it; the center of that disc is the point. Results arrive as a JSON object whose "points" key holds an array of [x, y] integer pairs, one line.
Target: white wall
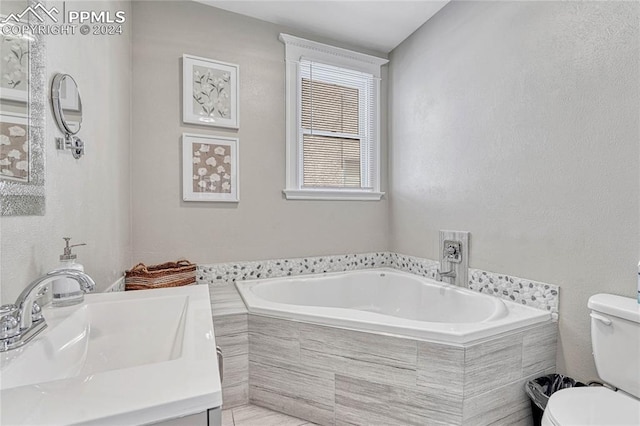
{"points": [[263, 225], [518, 122], [86, 199]]}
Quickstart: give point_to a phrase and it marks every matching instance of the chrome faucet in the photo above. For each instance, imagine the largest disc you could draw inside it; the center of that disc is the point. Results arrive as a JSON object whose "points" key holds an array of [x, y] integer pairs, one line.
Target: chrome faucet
{"points": [[23, 320], [453, 265], [451, 254], [447, 274]]}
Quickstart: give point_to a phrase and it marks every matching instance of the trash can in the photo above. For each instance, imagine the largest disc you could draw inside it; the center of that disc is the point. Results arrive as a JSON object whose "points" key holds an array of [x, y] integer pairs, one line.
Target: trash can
{"points": [[541, 388]]}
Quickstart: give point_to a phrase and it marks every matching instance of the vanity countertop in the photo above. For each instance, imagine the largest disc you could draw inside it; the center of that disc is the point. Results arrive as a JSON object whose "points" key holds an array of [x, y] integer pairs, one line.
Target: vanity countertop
{"points": [[118, 358]]}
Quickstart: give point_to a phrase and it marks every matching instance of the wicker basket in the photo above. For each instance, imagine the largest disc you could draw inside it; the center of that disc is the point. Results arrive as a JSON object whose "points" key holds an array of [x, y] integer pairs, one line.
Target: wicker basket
{"points": [[170, 274]]}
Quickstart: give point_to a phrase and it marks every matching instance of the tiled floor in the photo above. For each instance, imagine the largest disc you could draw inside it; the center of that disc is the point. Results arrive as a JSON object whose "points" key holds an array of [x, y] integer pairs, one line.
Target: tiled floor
{"points": [[252, 415]]}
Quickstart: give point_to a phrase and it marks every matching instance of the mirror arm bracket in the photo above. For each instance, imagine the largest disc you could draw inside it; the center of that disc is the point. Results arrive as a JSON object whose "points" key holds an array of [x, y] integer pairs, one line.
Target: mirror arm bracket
{"points": [[72, 143]]}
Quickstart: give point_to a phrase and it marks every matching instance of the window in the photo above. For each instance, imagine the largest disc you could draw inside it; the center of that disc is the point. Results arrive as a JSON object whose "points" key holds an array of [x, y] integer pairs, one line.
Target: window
{"points": [[332, 122]]}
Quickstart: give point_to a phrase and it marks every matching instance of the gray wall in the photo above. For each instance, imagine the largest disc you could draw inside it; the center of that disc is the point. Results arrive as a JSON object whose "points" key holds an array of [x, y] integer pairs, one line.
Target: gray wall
{"points": [[87, 199], [263, 224], [518, 122]]}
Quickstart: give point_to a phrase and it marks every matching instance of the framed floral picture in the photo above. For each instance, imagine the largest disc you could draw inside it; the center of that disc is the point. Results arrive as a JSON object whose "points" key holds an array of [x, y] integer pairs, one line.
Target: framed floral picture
{"points": [[209, 168], [14, 147], [210, 92], [14, 62]]}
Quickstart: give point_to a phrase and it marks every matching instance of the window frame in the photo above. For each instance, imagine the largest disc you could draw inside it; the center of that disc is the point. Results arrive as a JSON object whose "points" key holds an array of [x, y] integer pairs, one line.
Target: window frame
{"points": [[297, 49]]}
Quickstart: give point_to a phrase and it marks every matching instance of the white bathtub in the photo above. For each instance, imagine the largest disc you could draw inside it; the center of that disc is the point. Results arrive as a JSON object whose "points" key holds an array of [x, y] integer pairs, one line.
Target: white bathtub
{"points": [[390, 302]]}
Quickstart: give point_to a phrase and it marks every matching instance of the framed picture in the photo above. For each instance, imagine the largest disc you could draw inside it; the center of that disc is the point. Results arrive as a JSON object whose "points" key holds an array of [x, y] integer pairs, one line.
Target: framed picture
{"points": [[14, 62], [210, 92], [209, 168], [14, 147]]}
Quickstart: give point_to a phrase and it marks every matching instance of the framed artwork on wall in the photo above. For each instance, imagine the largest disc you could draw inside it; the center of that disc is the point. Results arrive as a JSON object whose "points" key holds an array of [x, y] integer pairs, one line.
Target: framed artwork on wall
{"points": [[209, 168], [14, 62], [14, 147], [210, 92]]}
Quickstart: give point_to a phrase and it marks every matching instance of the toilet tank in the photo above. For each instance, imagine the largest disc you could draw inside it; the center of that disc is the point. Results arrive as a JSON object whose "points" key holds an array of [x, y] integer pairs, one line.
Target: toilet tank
{"points": [[615, 339]]}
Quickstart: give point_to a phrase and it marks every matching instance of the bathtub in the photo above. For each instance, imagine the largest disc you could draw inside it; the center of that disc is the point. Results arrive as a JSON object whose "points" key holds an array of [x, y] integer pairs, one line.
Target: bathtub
{"points": [[387, 301]]}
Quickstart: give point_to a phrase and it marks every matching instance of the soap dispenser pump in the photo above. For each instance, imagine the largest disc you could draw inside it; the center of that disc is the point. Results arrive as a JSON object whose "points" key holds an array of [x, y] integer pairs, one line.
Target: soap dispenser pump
{"points": [[65, 291]]}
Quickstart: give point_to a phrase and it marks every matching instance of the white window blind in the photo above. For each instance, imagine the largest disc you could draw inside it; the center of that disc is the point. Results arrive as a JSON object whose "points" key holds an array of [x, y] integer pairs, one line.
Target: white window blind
{"points": [[332, 122], [337, 127]]}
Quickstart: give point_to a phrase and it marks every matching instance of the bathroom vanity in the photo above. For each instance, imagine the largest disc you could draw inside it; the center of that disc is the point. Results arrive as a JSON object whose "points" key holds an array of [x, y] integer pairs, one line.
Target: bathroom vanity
{"points": [[140, 357]]}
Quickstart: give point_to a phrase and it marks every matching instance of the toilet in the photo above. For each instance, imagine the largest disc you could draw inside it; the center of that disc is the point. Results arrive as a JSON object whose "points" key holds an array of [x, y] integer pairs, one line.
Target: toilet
{"points": [[615, 339]]}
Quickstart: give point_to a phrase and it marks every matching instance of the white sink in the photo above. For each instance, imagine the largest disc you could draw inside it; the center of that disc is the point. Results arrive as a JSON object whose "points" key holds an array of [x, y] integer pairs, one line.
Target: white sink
{"points": [[118, 358]]}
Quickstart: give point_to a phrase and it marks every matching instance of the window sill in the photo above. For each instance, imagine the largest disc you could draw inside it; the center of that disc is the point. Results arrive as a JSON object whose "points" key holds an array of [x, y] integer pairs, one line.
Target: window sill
{"points": [[327, 194]]}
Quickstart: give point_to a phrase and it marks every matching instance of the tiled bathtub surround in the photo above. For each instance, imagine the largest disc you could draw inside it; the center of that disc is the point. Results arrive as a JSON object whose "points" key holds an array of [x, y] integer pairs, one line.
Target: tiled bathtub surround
{"points": [[415, 265], [520, 290], [238, 271], [527, 292], [233, 338], [232, 335], [333, 376]]}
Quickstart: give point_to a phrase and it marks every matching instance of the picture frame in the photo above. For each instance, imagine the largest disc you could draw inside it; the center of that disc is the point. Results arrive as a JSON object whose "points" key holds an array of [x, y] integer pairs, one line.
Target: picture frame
{"points": [[210, 168], [15, 151], [210, 92], [16, 64]]}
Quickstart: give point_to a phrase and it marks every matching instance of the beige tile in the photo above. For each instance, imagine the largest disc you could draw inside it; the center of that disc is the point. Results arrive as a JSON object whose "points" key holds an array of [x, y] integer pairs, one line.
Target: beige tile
{"points": [[232, 334], [440, 369], [235, 384], [492, 364], [506, 405], [380, 373], [367, 347], [539, 348], [233, 344], [235, 394], [304, 409], [316, 373], [274, 338], [285, 365], [252, 415], [361, 402], [225, 300], [230, 324], [227, 417], [295, 390], [382, 359], [236, 369]]}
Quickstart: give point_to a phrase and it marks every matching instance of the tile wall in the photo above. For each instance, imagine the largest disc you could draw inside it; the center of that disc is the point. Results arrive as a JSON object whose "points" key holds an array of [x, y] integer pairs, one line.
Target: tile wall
{"points": [[333, 376], [520, 290]]}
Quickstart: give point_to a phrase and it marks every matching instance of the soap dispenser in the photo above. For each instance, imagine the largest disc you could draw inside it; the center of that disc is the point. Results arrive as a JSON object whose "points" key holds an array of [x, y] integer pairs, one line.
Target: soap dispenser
{"points": [[65, 291]]}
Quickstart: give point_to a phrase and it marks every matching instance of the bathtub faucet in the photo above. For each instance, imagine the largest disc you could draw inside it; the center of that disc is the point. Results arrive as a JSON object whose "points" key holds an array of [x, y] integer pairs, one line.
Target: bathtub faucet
{"points": [[448, 274]]}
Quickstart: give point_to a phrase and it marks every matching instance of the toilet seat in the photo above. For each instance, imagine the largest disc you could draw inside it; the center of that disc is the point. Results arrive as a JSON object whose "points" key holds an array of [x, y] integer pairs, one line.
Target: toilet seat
{"points": [[591, 406]]}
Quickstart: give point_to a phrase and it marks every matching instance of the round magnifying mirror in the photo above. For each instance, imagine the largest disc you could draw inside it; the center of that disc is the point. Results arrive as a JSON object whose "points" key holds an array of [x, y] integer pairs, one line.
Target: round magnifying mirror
{"points": [[67, 106]]}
